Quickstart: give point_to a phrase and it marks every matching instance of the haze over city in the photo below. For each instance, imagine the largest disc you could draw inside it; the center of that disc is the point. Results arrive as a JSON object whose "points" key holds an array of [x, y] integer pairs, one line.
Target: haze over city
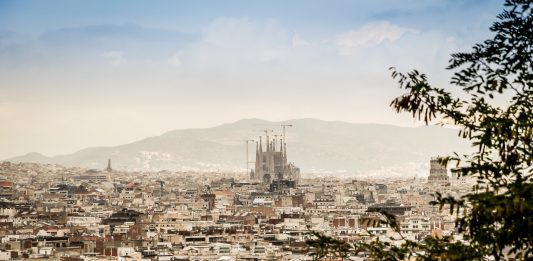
{"points": [[77, 74], [296, 130]]}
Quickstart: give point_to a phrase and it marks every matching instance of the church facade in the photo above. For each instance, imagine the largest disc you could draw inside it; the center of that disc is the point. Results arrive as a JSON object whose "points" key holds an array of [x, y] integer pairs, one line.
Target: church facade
{"points": [[271, 163]]}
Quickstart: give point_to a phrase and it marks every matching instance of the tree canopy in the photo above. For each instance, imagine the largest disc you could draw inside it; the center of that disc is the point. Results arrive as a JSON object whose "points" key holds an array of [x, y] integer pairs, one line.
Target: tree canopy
{"points": [[494, 112]]}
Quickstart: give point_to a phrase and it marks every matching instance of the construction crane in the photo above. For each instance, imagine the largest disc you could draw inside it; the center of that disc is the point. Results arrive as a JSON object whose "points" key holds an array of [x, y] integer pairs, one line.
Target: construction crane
{"points": [[267, 131], [283, 125], [247, 155]]}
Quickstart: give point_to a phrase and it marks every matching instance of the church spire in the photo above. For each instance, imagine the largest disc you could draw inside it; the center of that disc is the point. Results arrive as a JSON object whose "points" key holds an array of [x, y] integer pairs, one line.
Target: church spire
{"points": [[267, 141], [285, 151], [109, 165], [260, 144]]}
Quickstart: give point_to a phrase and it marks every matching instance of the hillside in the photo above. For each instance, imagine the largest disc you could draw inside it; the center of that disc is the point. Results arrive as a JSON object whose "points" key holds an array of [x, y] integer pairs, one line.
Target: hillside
{"points": [[314, 145]]}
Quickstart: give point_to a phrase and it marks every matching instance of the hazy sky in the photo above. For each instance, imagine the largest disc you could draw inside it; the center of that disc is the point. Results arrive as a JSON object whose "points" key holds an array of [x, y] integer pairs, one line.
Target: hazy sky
{"points": [[75, 74]]}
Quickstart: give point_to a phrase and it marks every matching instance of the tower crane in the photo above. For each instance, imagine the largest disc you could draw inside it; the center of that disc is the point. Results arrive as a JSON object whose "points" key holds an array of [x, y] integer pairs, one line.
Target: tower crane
{"points": [[247, 158], [283, 125]]}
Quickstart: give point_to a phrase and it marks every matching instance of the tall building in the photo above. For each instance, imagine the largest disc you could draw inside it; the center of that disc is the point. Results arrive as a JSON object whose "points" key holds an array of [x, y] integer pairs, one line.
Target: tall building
{"points": [[438, 172], [271, 162], [109, 169]]}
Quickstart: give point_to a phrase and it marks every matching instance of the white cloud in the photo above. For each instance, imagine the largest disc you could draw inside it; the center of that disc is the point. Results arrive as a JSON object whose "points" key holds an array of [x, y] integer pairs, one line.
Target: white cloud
{"points": [[272, 55], [114, 57], [369, 35], [298, 41], [240, 42]]}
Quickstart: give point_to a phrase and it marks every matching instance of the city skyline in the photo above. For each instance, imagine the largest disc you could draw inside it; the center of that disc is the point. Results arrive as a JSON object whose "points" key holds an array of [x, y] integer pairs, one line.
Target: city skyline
{"points": [[78, 74], [266, 130]]}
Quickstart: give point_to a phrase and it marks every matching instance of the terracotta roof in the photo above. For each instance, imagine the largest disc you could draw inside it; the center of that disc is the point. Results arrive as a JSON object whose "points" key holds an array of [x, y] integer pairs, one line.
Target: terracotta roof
{"points": [[6, 184], [132, 185]]}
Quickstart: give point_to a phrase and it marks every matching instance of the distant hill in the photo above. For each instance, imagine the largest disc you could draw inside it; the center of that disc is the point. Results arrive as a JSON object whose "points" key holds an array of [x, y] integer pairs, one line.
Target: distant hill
{"points": [[313, 145]]}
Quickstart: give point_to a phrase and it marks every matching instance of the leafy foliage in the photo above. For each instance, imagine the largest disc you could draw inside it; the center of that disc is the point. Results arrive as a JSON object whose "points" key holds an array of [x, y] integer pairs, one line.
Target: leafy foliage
{"points": [[327, 247], [494, 112]]}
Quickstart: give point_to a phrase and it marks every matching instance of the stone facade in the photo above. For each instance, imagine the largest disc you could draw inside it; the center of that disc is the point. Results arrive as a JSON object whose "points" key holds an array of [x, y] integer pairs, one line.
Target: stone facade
{"points": [[438, 172], [271, 163]]}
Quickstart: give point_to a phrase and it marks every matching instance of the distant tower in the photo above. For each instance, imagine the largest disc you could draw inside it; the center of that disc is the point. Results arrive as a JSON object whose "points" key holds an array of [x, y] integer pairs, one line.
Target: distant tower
{"points": [[109, 169], [161, 185], [209, 197], [252, 174], [437, 172]]}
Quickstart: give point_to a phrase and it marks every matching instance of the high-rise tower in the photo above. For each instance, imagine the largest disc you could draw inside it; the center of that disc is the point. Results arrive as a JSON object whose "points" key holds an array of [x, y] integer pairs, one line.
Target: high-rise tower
{"points": [[438, 172], [109, 169]]}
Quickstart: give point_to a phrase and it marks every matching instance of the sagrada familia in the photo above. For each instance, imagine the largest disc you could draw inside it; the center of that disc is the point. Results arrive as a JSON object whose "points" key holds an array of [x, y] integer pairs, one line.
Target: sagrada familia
{"points": [[271, 165]]}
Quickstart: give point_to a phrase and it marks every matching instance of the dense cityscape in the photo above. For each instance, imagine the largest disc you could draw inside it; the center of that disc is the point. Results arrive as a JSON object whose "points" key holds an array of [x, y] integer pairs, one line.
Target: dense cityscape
{"points": [[66, 213], [266, 130]]}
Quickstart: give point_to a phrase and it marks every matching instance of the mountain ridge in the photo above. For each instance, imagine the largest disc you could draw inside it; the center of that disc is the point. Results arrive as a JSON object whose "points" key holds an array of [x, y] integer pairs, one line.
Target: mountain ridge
{"points": [[314, 145]]}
